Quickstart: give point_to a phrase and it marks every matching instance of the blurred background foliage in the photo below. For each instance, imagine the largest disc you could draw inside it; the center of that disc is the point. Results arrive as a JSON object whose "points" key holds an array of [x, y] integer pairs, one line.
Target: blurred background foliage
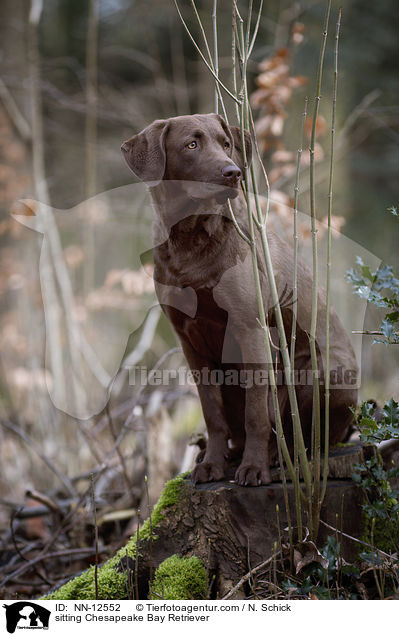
{"points": [[105, 69], [149, 69]]}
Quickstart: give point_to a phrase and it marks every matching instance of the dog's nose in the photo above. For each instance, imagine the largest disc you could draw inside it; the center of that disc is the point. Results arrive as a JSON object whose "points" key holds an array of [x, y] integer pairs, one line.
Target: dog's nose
{"points": [[231, 172]]}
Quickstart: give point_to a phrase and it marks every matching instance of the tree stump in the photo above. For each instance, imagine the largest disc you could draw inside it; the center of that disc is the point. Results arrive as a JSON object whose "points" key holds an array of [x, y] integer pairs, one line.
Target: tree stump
{"points": [[230, 528]]}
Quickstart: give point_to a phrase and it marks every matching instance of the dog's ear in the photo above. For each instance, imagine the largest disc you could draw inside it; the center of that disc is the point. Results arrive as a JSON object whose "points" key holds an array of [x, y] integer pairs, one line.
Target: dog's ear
{"points": [[237, 152], [145, 153]]}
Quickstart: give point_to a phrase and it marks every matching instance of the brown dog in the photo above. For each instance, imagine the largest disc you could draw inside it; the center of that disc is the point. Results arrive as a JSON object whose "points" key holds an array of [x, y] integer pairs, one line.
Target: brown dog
{"points": [[204, 281]]}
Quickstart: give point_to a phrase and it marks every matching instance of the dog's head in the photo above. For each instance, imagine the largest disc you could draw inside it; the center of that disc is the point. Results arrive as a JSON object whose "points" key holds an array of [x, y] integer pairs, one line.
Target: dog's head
{"points": [[191, 148]]}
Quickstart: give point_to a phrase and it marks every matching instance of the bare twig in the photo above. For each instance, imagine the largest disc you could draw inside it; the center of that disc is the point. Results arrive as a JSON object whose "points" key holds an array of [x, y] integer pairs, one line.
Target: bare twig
{"points": [[144, 343], [328, 286], [255, 33], [375, 333], [14, 428], [44, 499], [118, 450], [215, 50], [151, 532], [90, 132], [348, 536], [43, 557], [236, 225], [375, 573], [247, 576], [14, 113], [295, 313], [19, 552], [93, 499], [210, 68], [91, 97], [313, 324], [136, 561]]}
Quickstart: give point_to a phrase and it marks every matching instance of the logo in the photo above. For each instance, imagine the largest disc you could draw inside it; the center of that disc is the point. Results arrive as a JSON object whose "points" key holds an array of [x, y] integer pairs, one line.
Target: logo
{"points": [[26, 615]]}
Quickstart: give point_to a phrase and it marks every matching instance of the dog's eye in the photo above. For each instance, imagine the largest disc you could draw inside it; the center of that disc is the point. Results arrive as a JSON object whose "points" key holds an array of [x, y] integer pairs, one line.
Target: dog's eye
{"points": [[192, 145], [227, 145]]}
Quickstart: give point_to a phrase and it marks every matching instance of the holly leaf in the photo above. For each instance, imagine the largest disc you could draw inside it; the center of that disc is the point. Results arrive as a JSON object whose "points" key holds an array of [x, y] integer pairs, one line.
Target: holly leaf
{"points": [[367, 409], [387, 328], [379, 341], [391, 413], [366, 272]]}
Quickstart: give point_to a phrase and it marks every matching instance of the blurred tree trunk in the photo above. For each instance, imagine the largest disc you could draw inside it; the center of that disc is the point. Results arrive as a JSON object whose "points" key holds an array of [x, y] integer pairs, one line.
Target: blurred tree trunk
{"points": [[14, 100], [19, 249], [15, 178]]}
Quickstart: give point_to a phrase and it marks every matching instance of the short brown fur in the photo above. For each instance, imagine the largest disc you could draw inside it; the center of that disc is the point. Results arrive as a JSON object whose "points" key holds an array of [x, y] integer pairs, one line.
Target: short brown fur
{"points": [[192, 165]]}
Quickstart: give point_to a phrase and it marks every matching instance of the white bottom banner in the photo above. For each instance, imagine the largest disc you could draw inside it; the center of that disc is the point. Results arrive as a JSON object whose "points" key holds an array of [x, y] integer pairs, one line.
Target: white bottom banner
{"points": [[150, 617]]}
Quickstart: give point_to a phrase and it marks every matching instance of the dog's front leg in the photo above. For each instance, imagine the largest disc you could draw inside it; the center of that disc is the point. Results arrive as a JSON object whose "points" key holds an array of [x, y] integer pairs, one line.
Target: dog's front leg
{"points": [[254, 469], [235, 294], [213, 465]]}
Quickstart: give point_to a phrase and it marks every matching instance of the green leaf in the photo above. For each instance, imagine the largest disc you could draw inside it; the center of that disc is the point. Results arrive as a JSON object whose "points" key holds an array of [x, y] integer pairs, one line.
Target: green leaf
{"points": [[367, 409], [387, 328], [365, 269], [368, 424], [391, 413], [363, 291], [379, 341]]}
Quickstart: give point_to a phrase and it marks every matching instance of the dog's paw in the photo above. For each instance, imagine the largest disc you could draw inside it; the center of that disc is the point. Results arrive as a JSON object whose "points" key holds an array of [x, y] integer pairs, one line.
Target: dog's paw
{"points": [[207, 471], [252, 475], [200, 456]]}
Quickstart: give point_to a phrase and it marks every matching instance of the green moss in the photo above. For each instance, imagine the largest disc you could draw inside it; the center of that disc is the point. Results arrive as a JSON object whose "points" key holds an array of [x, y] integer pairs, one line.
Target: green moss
{"points": [[169, 497], [180, 578], [112, 584]]}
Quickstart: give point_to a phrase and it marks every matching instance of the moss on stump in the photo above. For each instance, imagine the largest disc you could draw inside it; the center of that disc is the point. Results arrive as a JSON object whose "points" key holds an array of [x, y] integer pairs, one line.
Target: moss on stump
{"points": [[113, 581], [179, 578]]}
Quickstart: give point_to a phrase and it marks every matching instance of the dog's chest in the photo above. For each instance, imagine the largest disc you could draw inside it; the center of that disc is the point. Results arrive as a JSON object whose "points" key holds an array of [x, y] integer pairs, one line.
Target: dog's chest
{"points": [[189, 267], [204, 331]]}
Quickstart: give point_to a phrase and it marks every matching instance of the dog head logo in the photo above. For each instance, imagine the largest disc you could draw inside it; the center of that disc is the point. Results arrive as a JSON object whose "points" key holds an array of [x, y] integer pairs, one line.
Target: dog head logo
{"points": [[26, 615], [88, 327]]}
